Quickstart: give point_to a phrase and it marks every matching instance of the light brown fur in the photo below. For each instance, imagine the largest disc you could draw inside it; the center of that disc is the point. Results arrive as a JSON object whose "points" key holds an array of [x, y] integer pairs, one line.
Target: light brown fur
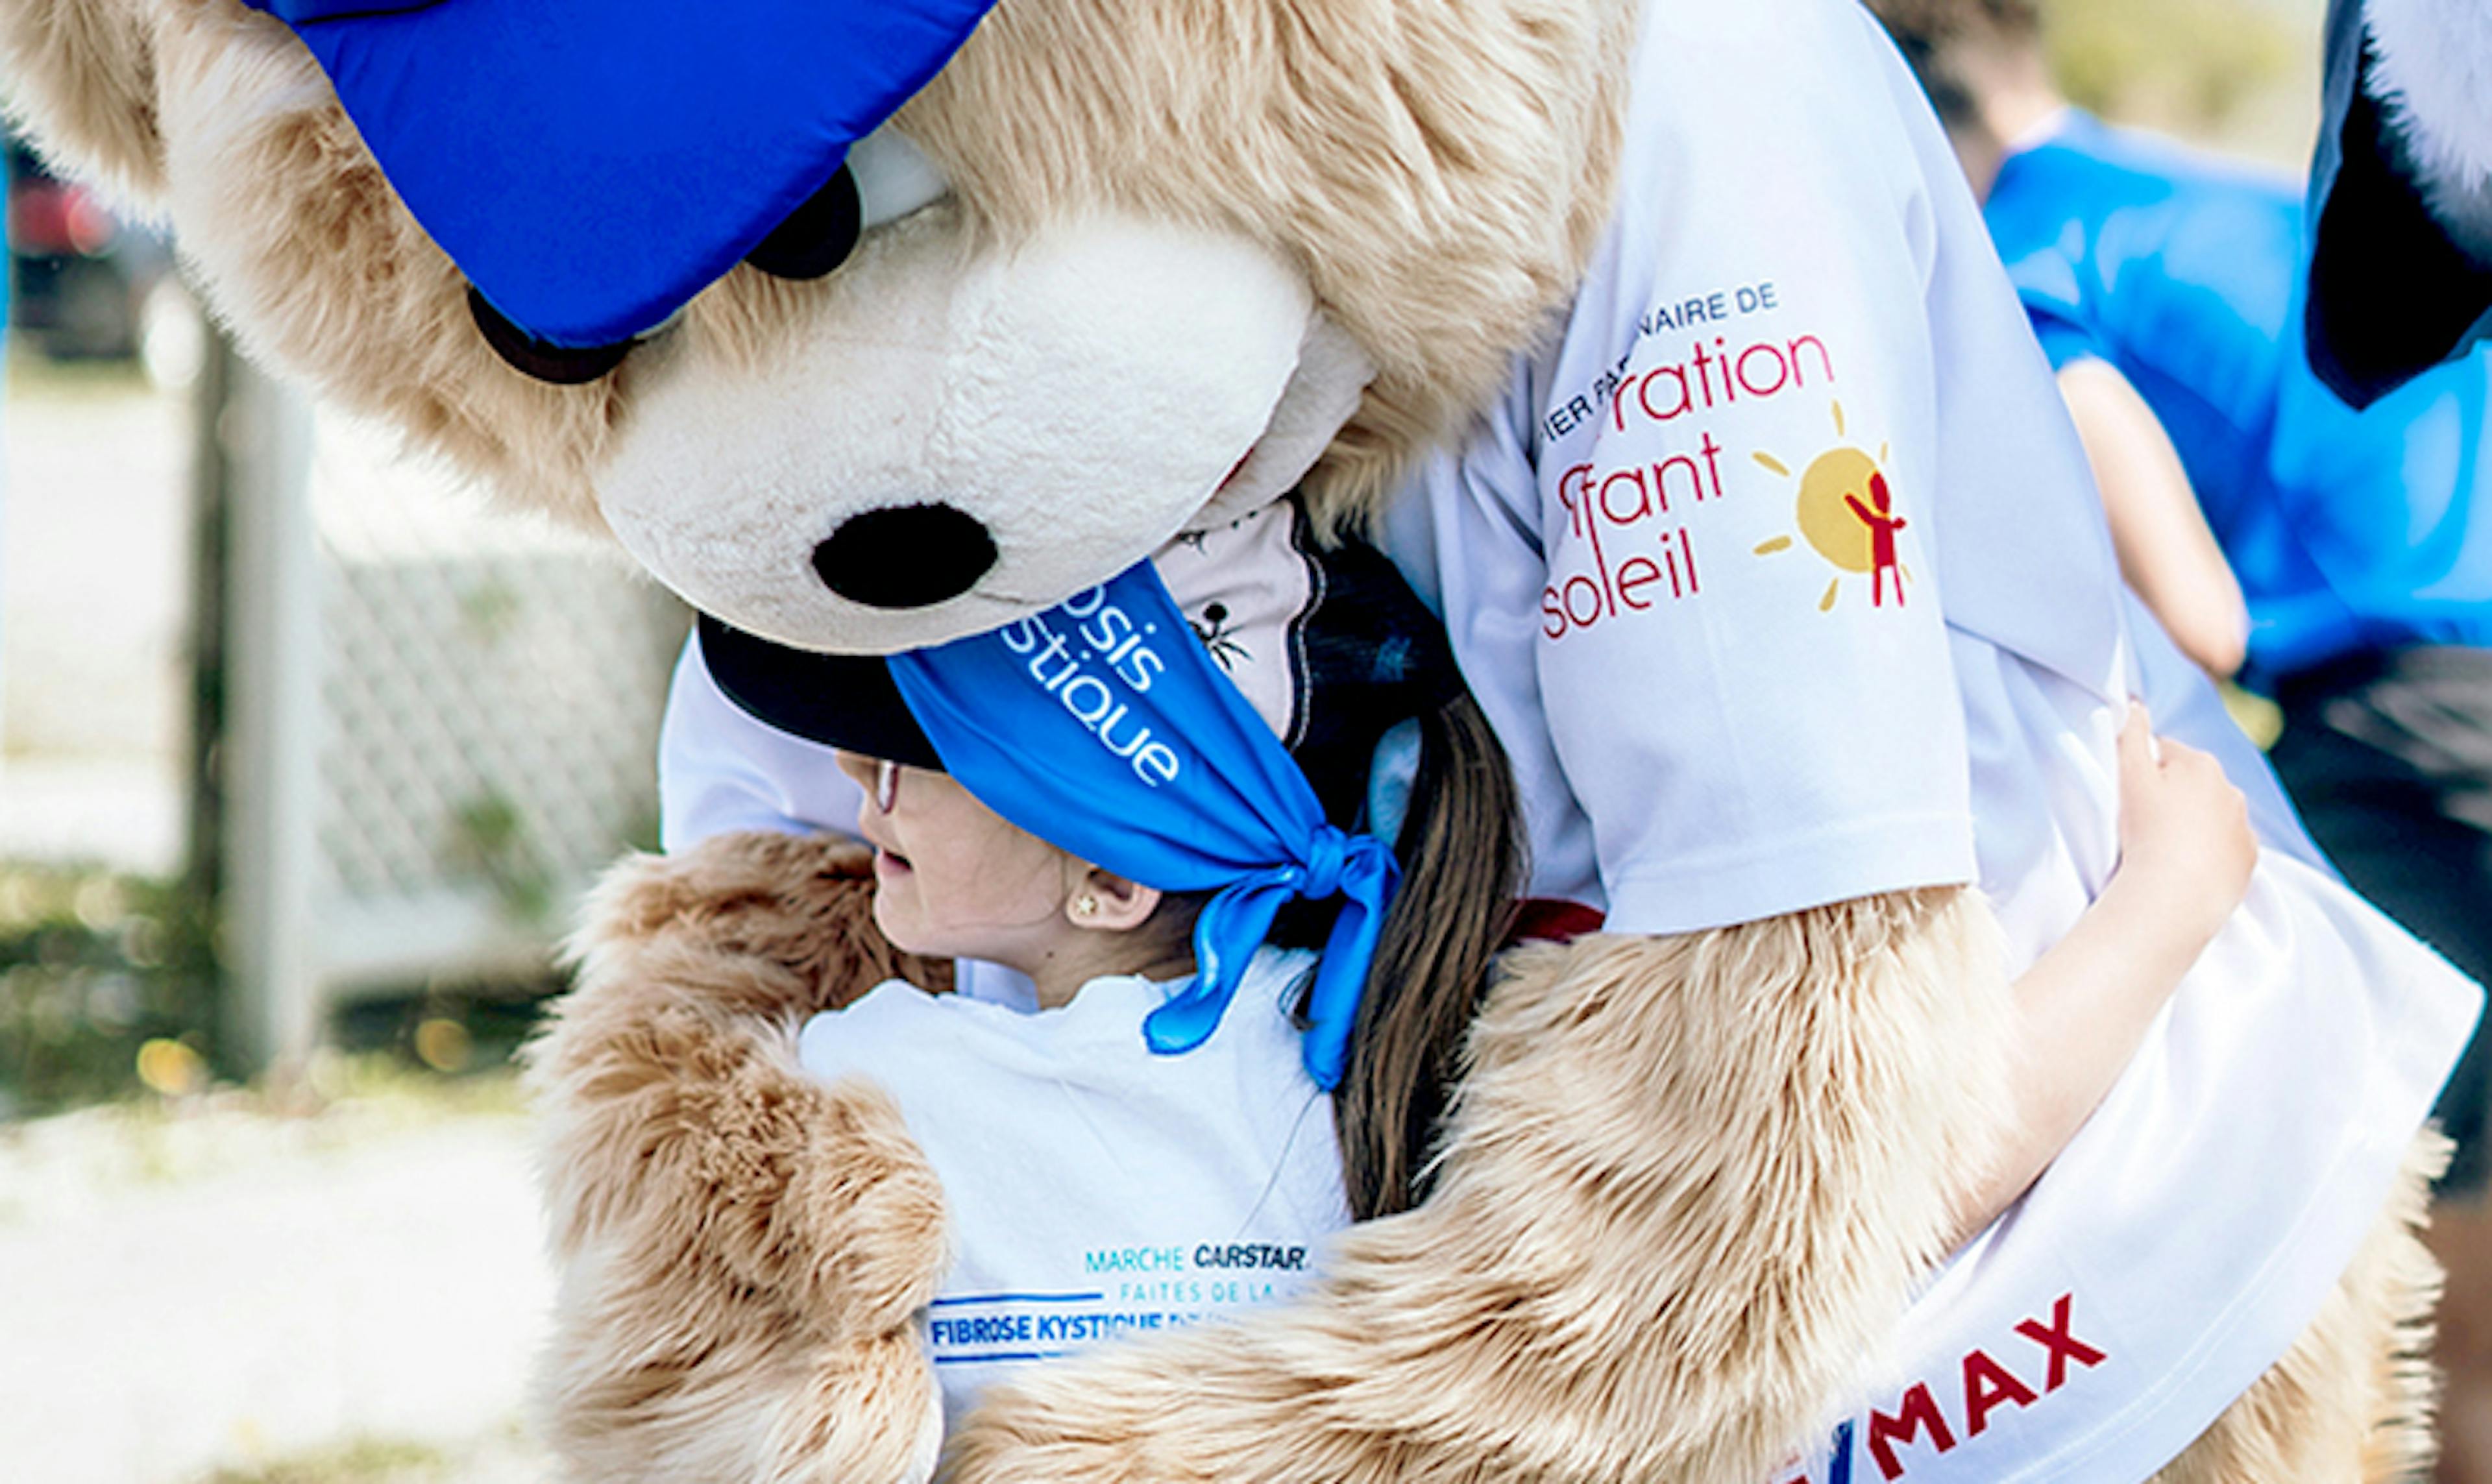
{"points": [[1651, 1252], [743, 1250], [218, 116], [1439, 170], [1688, 1183], [1495, 127], [81, 84], [1689, 1179]]}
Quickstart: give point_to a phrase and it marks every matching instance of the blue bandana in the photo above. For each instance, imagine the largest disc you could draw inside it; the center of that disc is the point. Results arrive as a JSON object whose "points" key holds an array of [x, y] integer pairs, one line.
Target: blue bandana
{"points": [[592, 164], [1104, 728]]}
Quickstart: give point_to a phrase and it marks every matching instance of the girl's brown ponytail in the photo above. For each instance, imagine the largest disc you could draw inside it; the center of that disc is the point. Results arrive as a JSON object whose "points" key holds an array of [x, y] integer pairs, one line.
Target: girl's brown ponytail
{"points": [[1463, 860]]}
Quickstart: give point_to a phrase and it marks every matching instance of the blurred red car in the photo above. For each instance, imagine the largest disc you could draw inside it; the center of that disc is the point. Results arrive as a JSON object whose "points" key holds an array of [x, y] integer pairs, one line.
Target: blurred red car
{"points": [[80, 276]]}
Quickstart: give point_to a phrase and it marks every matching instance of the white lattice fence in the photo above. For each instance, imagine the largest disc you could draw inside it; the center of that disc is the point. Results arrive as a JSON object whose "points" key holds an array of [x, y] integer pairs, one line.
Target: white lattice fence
{"points": [[491, 724], [464, 738]]}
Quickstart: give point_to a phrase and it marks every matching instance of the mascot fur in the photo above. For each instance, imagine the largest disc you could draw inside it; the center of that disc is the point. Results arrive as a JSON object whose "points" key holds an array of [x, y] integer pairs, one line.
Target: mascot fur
{"points": [[1691, 1179]]}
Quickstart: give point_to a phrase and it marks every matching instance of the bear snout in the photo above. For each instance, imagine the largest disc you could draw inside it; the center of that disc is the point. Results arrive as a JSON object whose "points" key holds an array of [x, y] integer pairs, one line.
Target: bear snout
{"points": [[905, 556]]}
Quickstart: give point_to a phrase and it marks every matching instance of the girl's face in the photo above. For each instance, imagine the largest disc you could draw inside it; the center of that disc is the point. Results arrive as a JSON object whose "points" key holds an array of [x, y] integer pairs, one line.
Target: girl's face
{"points": [[952, 879]]}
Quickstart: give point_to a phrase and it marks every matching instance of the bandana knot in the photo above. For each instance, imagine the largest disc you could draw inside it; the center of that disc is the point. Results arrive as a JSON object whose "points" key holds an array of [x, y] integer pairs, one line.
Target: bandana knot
{"points": [[1141, 758], [1320, 874]]}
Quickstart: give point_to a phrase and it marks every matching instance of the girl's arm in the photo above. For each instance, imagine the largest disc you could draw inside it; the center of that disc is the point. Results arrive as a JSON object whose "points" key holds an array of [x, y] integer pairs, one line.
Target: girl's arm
{"points": [[2186, 850], [2166, 551]]}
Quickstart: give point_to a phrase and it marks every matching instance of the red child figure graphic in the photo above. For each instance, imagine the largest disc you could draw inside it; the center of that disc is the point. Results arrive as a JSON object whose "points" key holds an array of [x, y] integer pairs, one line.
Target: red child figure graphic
{"points": [[1883, 525]]}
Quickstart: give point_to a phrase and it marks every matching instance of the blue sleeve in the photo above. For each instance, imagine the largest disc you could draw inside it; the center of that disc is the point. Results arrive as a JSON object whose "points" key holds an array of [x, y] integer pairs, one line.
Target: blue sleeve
{"points": [[2027, 225], [2063, 339]]}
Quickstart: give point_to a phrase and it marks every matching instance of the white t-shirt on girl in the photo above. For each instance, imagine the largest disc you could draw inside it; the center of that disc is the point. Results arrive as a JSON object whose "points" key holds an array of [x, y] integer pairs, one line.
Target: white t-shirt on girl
{"points": [[1097, 1189]]}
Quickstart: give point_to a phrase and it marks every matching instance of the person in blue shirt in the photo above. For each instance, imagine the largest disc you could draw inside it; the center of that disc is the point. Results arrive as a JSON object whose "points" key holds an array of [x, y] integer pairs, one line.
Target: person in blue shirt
{"points": [[2339, 560]]}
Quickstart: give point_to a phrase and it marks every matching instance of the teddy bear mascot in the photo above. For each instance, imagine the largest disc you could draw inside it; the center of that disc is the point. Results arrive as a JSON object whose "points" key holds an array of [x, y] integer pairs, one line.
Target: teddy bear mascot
{"points": [[1659, 343]]}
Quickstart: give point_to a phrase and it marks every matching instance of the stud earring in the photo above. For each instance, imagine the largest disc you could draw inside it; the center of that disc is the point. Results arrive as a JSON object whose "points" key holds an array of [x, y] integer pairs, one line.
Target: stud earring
{"points": [[1085, 905]]}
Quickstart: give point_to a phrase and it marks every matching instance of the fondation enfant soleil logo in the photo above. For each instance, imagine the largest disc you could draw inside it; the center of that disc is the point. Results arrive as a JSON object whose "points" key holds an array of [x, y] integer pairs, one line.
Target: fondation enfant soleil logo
{"points": [[1846, 512]]}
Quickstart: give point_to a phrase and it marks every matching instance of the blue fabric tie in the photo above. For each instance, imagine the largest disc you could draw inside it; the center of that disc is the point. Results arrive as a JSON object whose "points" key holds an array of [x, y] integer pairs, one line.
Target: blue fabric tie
{"points": [[1104, 728]]}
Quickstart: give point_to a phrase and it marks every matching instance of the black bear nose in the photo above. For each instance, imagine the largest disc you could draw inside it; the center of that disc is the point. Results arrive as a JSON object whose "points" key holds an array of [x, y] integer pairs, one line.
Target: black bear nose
{"points": [[907, 556]]}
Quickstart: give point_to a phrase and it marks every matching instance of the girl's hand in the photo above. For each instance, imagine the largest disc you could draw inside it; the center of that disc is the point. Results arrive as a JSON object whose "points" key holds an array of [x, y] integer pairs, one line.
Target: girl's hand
{"points": [[2185, 854], [2186, 844]]}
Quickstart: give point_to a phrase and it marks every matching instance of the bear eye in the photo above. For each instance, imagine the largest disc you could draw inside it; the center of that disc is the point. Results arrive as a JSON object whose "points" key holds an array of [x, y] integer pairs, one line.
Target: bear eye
{"points": [[894, 177], [884, 179], [541, 358], [815, 237]]}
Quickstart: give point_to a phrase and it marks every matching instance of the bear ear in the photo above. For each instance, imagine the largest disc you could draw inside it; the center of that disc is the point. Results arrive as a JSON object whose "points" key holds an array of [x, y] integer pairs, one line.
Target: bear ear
{"points": [[80, 81]]}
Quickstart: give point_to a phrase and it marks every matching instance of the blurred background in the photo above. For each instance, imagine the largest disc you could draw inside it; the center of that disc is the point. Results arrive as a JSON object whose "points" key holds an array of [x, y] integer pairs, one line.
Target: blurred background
{"points": [[304, 754]]}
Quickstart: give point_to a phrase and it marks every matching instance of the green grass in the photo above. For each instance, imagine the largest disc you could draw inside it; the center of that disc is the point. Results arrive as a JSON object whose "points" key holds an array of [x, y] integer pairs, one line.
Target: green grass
{"points": [[94, 966], [108, 994], [363, 1461], [31, 375], [505, 1457]]}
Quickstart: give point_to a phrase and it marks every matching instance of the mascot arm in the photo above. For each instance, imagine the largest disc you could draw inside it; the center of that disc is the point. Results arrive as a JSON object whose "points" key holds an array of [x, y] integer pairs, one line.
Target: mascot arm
{"points": [[742, 1249], [1689, 1182], [82, 83], [1692, 1177]]}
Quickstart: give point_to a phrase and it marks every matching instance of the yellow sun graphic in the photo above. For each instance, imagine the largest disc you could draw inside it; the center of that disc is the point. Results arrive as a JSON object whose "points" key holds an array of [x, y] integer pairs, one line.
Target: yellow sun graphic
{"points": [[1845, 512]]}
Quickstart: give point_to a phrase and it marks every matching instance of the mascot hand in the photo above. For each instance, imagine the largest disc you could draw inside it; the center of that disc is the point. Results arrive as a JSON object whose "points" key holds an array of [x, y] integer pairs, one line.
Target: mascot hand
{"points": [[742, 1248], [1688, 1183]]}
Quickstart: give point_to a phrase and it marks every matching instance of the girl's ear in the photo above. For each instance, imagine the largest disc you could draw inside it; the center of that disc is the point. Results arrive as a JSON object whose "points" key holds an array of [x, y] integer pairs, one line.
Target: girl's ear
{"points": [[1110, 902], [80, 77]]}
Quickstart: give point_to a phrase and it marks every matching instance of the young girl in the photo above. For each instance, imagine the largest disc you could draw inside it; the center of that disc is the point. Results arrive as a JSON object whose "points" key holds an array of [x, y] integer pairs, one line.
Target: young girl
{"points": [[1100, 1181], [1103, 1185]]}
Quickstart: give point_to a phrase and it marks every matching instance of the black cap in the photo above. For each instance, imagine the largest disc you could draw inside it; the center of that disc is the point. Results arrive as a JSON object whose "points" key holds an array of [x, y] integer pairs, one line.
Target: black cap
{"points": [[1329, 642], [844, 701]]}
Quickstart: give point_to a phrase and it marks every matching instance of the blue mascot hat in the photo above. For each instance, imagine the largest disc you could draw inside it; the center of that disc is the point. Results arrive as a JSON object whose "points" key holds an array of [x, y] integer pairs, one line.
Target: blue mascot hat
{"points": [[592, 164]]}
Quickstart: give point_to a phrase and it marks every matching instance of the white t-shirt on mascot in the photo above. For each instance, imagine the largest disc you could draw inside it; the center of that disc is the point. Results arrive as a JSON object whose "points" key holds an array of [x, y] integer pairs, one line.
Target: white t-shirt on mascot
{"points": [[1781, 577], [1780, 573], [1097, 1189]]}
